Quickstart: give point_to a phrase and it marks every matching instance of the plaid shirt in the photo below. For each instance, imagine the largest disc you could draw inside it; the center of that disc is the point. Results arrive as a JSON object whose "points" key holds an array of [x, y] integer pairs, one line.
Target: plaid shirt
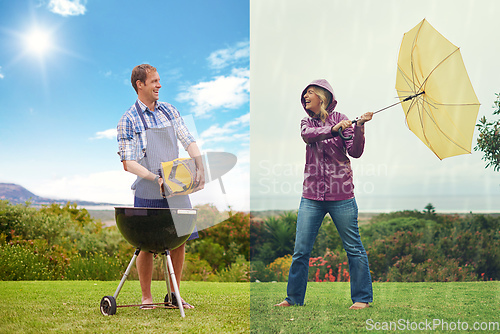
{"points": [[131, 137]]}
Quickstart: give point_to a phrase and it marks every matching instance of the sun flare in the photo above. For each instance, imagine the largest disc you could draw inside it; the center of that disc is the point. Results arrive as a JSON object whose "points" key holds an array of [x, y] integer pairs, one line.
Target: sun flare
{"points": [[38, 41]]}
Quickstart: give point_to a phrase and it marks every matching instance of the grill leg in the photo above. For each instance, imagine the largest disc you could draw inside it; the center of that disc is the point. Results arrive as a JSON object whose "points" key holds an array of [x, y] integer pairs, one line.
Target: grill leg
{"points": [[167, 280], [174, 283], [125, 275]]}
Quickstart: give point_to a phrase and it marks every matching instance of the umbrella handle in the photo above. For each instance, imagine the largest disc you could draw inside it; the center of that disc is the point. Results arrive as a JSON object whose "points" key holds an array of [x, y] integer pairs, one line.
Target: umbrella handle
{"points": [[346, 137]]}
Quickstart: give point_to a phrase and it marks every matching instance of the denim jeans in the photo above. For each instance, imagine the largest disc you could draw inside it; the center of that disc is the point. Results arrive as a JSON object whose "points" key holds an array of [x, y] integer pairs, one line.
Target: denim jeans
{"points": [[345, 216]]}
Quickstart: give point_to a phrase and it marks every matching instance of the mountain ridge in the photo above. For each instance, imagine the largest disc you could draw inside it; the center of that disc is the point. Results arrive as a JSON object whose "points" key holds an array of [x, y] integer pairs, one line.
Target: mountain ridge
{"points": [[17, 194]]}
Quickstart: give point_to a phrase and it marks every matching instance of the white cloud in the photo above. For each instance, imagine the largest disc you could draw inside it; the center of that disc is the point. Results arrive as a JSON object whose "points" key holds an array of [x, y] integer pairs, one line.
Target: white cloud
{"points": [[225, 57], [243, 120], [67, 7], [226, 92], [106, 187], [106, 134], [1, 74], [229, 132], [215, 130]]}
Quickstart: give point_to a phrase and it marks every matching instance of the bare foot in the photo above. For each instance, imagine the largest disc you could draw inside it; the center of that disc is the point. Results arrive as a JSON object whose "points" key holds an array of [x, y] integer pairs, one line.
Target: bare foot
{"points": [[359, 306], [186, 305], [283, 304], [146, 304]]}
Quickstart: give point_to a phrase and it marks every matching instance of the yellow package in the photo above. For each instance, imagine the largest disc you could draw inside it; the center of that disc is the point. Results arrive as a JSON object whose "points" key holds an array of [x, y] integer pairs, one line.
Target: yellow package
{"points": [[179, 176]]}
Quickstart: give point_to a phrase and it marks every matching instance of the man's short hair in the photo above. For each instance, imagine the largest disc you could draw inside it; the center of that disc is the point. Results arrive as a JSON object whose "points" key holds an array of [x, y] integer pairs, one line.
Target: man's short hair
{"points": [[140, 72]]}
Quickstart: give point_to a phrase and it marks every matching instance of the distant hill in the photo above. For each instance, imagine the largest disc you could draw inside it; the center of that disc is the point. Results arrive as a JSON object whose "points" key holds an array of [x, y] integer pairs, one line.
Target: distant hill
{"points": [[17, 194]]}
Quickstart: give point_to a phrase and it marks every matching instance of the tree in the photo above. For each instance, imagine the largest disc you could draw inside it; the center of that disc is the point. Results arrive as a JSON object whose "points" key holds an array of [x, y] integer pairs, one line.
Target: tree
{"points": [[430, 209], [282, 235], [489, 138]]}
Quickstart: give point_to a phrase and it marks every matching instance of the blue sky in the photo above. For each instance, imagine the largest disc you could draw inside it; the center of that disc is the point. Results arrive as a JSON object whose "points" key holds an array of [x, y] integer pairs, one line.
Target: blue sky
{"points": [[60, 106]]}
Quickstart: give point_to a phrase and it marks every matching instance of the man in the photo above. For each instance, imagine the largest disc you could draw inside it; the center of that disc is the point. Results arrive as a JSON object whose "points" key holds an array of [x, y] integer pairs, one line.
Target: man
{"points": [[147, 135]]}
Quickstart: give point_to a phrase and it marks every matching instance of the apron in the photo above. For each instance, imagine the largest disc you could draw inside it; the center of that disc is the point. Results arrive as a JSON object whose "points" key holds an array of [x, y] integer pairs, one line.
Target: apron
{"points": [[161, 146]]}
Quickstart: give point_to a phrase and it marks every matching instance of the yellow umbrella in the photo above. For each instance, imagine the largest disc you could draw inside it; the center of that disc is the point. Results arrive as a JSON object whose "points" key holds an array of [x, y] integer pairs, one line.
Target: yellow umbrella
{"points": [[435, 91]]}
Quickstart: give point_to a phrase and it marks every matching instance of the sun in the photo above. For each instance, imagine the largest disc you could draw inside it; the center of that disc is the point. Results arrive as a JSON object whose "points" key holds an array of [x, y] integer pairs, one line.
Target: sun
{"points": [[38, 41]]}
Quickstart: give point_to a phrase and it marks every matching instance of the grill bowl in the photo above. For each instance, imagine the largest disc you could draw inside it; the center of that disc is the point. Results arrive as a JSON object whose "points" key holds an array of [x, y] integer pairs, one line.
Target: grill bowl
{"points": [[153, 229]]}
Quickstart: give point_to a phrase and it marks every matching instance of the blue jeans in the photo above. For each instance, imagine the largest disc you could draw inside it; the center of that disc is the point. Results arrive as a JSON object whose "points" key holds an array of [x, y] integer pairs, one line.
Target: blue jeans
{"points": [[345, 216]]}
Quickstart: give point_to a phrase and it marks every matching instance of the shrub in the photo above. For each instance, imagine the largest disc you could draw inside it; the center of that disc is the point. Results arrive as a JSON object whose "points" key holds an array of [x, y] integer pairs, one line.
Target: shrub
{"points": [[61, 233], [210, 252], [260, 272], [95, 267], [382, 229], [30, 223], [328, 238], [431, 270], [257, 237], [478, 249], [401, 246], [266, 254], [332, 267], [196, 269], [281, 267], [31, 259], [236, 229], [384, 253], [273, 237], [19, 263], [238, 271]]}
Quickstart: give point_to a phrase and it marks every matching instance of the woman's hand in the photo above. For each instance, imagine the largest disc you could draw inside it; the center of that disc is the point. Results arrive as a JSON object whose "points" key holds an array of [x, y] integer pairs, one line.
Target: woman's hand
{"points": [[344, 124], [364, 118]]}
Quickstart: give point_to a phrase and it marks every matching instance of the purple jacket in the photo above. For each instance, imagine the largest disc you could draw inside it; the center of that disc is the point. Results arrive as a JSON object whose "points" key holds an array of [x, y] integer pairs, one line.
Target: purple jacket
{"points": [[327, 173]]}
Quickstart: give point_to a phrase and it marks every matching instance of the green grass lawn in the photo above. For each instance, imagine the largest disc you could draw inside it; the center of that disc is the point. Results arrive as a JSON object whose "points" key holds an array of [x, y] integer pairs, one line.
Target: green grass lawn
{"points": [[407, 305], [73, 307]]}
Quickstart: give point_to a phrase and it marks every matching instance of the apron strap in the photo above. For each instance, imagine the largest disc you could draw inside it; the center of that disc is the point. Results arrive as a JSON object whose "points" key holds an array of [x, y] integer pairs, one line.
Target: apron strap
{"points": [[141, 115], [165, 112], [139, 111]]}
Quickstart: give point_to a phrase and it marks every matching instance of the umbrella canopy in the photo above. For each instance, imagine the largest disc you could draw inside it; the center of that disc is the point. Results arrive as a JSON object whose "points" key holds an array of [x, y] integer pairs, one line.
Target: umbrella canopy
{"points": [[444, 113]]}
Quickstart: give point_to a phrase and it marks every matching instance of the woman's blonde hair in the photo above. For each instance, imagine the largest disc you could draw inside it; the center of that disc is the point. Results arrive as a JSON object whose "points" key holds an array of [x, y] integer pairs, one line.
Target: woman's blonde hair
{"points": [[325, 97]]}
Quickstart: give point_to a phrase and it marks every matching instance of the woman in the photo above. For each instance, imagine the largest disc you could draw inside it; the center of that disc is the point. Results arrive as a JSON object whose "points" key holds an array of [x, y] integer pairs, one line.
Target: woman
{"points": [[328, 188]]}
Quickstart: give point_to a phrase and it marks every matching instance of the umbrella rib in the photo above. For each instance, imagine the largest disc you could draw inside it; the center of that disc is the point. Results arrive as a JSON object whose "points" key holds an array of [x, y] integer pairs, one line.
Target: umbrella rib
{"points": [[414, 45], [421, 118], [435, 67], [408, 81], [428, 143], [440, 130], [458, 104]]}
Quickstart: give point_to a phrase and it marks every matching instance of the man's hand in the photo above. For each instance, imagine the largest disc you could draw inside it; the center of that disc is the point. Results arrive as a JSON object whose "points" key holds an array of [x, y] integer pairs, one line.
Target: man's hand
{"points": [[162, 189], [194, 152], [200, 179]]}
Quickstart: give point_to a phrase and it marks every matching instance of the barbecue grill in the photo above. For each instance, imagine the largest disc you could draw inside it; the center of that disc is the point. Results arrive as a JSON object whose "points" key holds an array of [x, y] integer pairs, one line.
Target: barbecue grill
{"points": [[152, 230]]}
